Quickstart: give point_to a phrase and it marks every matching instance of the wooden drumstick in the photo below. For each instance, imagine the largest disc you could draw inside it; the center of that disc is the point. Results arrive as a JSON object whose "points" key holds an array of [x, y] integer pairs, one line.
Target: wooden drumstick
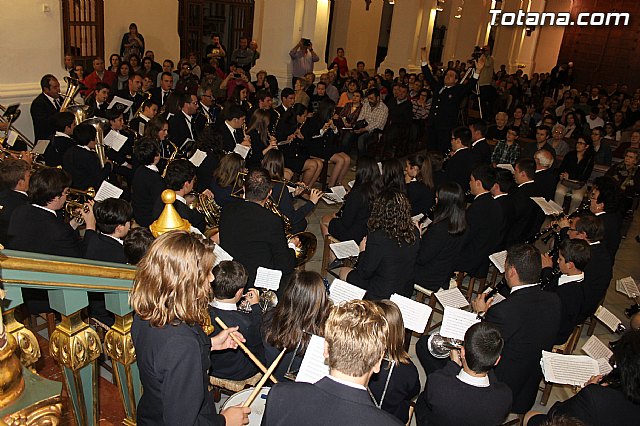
{"points": [[262, 381], [246, 350]]}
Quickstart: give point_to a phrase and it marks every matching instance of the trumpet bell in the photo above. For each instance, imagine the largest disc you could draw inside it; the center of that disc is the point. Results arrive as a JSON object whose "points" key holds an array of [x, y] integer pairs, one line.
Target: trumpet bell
{"points": [[268, 300], [440, 346], [81, 112], [306, 248]]}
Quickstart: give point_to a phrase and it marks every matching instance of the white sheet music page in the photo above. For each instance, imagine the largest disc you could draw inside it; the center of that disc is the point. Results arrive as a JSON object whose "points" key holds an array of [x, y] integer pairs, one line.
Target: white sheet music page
{"points": [[456, 322], [351, 183], [242, 150], [12, 138], [555, 206], [345, 249], [596, 349], [313, 366], [628, 287], [107, 190], [220, 255], [604, 366], [119, 100], [198, 157], [547, 208], [506, 166], [573, 370], [339, 192], [341, 291], [41, 146], [607, 318], [415, 315], [115, 140], [268, 278], [452, 297], [497, 297], [499, 260]]}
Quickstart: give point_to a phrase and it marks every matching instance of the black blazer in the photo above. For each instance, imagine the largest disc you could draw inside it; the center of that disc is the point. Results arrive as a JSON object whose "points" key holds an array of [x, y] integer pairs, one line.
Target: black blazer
{"points": [[323, 403], [404, 385], [229, 139], [481, 152], [179, 130], [437, 257], [352, 224], [545, 182], [528, 320], [39, 231], [571, 296], [458, 168], [234, 364], [421, 197], [385, 267], [296, 216], [528, 214], [612, 236], [597, 276], [205, 170], [254, 236], [173, 363], [42, 113], [146, 189], [195, 218], [156, 96], [485, 222], [137, 100], [97, 111], [84, 168], [9, 200], [508, 218], [445, 105], [54, 154], [102, 247], [440, 403]]}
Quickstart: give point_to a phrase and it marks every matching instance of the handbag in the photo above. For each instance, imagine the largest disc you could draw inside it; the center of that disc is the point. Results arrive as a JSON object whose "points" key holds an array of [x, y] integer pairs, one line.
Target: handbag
{"points": [[360, 124]]}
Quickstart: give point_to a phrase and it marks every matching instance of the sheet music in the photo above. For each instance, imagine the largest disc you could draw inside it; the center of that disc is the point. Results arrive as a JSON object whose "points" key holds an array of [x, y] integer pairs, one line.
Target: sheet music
{"points": [[456, 322], [345, 249], [41, 146], [341, 291], [452, 297], [596, 349], [573, 370], [220, 255], [107, 190], [546, 207], [313, 366], [115, 140], [555, 206], [141, 126], [415, 315], [119, 100], [417, 217], [497, 298], [351, 183], [12, 138], [506, 167], [242, 150], [628, 287], [499, 260], [607, 318], [198, 157], [604, 366], [268, 278], [380, 167]]}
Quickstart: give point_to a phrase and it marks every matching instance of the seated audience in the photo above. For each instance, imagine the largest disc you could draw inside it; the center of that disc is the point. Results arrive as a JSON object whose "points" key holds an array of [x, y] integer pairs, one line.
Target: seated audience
{"points": [[627, 174], [557, 141], [507, 151], [574, 171], [601, 148]]}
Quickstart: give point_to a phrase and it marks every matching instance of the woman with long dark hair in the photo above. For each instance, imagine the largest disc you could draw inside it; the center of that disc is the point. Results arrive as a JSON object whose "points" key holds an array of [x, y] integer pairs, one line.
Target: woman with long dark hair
{"points": [[420, 185], [393, 175], [303, 310], [388, 253], [261, 140], [443, 241], [225, 177], [574, 172]]}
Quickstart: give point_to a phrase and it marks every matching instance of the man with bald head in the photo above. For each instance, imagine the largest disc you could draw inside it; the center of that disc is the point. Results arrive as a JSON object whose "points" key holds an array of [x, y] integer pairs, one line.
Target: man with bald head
{"points": [[546, 177]]}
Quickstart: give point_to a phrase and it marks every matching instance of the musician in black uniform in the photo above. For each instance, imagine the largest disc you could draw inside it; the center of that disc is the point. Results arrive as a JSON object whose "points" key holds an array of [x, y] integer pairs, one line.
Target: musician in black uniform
{"points": [[131, 93], [445, 106], [64, 123], [479, 147], [232, 128], [81, 160], [604, 203], [99, 101], [528, 213], [207, 109], [500, 192], [160, 94], [147, 183], [45, 106], [14, 178], [460, 163], [149, 110], [181, 125], [546, 177]]}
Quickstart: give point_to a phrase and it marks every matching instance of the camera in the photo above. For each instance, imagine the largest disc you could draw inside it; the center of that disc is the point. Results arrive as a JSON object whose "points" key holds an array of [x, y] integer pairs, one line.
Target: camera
{"points": [[237, 75], [477, 52], [306, 42]]}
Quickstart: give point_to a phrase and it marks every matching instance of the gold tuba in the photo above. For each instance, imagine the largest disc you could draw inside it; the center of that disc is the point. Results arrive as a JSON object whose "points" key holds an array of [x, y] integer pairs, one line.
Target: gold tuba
{"points": [[81, 112], [100, 124], [210, 209], [73, 87]]}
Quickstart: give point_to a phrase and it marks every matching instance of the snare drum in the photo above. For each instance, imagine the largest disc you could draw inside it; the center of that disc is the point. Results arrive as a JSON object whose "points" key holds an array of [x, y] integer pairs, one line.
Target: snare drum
{"points": [[257, 407]]}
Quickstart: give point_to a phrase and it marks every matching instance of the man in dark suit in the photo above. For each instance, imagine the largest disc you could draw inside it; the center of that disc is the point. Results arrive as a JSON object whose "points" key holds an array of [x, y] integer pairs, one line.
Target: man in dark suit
{"points": [[543, 134], [149, 110], [207, 109], [528, 320], [160, 94], [485, 221], [546, 177], [64, 124], [447, 96], [604, 204], [100, 101], [528, 214], [81, 160], [469, 377], [131, 93], [45, 106], [14, 177], [228, 288], [147, 183], [252, 234], [500, 192], [460, 163], [480, 148], [181, 125], [181, 177], [355, 334], [288, 99], [231, 128]]}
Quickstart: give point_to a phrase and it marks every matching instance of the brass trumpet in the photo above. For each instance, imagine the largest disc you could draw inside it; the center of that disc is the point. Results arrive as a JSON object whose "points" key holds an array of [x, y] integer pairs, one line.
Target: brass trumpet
{"points": [[268, 301], [76, 199], [209, 208]]}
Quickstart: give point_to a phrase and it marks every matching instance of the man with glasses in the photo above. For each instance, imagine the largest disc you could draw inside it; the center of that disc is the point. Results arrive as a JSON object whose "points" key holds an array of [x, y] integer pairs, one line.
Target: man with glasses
{"points": [[188, 82], [207, 109], [181, 125], [373, 116]]}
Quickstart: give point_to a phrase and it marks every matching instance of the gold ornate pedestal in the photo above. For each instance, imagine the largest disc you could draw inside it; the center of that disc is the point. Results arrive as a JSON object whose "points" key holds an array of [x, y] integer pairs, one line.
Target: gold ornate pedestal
{"points": [[118, 345]]}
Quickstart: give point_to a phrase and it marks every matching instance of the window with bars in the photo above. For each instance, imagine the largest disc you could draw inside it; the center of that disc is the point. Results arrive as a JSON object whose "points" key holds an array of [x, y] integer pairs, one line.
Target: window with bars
{"points": [[83, 24]]}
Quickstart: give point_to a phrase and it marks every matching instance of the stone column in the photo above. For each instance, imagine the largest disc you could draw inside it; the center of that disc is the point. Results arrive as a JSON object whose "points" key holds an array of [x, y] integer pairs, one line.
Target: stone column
{"points": [[526, 55], [509, 38]]}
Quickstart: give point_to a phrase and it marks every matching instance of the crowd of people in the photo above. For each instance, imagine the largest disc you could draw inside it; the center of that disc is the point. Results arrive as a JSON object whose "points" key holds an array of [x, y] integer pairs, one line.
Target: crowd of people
{"points": [[204, 129]]}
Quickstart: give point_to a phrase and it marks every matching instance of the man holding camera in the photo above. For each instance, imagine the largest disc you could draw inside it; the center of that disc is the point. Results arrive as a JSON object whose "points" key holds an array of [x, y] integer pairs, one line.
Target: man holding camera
{"points": [[302, 59], [487, 91]]}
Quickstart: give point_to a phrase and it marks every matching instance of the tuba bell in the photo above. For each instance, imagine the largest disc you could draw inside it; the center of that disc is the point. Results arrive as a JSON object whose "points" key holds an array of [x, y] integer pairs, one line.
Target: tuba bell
{"points": [[209, 209], [73, 87], [440, 346], [100, 124], [81, 112]]}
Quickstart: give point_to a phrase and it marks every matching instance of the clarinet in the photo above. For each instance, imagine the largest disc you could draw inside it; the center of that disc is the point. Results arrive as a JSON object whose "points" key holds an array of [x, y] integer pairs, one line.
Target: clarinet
{"points": [[501, 285]]}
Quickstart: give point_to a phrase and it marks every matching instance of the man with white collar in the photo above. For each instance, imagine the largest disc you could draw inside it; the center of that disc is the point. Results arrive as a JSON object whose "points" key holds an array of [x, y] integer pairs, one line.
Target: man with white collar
{"points": [[480, 148], [469, 378], [546, 178], [528, 214], [460, 163], [228, 289], [165, 87], [81, 160], [604, 204], [232, 128], [355, 338], [14, 175], [288, 99], [528, 320], [207, 110], [149, 110], [44, 107], [573, 257], [64, 123], [147, 184], [181, 125]]}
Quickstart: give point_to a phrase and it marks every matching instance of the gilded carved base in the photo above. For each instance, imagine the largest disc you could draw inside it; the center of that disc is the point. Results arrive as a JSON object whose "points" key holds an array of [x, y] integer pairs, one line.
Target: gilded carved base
{"points": [[74, 344], [11, 380], [44, 413], [118, 343], [27, 343]]}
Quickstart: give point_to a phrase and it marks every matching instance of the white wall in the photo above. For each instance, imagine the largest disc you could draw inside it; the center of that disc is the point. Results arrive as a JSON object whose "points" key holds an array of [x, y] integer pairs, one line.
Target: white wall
{"points": [[550, 38]]}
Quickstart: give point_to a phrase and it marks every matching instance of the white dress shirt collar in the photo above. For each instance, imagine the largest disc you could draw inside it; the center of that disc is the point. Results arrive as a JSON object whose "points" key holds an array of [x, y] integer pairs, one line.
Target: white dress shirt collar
{"points": [[564, 278], [479, 382], [115, 238], [44, 208], [62, 135], [347, 383], [525, 183], [520, 287], [224, 306], [474, 144], [152, 167]]}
